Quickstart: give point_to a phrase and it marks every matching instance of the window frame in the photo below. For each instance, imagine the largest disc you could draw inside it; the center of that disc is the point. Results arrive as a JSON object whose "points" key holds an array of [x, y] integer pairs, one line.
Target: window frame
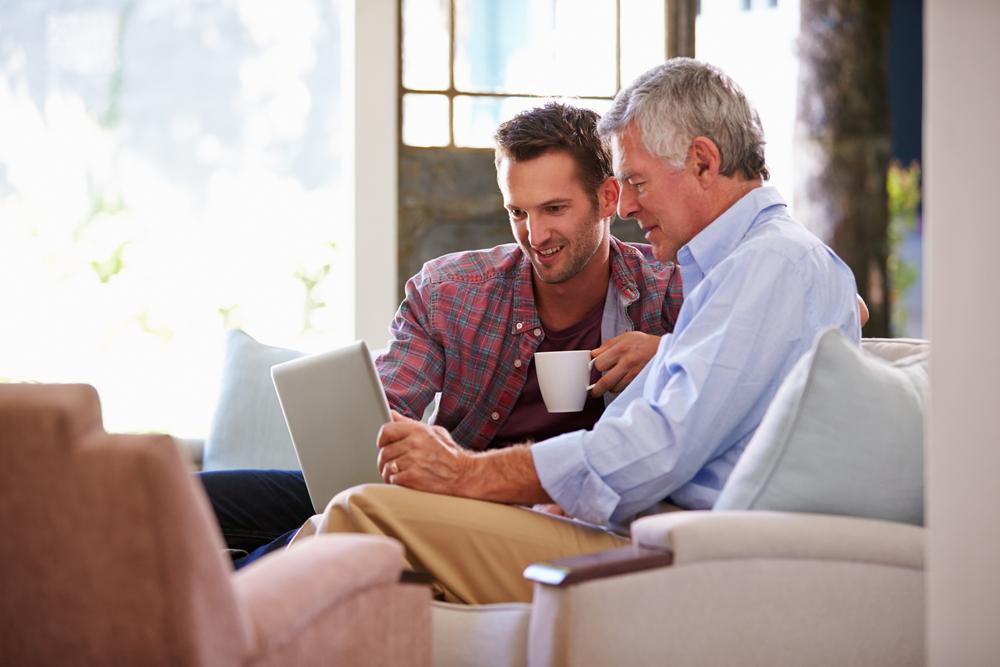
{"points": [[678, 33]]}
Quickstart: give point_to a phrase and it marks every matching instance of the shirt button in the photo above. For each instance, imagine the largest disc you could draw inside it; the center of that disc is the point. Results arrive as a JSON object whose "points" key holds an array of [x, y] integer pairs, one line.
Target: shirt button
{"points": [[538, 332], [495, 416], [520, 325], [517, 363]]}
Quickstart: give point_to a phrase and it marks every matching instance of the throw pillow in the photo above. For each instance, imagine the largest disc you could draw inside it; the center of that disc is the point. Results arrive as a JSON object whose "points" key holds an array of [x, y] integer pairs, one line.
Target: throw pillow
{"points": [[843, 435], [248, 429]]}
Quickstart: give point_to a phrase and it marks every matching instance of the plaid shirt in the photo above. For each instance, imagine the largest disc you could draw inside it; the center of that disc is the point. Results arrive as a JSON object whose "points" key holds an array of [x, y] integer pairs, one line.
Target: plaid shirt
{"points": [[468, 328]]}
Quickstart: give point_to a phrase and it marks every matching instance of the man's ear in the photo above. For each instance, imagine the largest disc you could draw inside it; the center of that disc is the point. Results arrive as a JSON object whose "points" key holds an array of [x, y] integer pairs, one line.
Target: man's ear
{"points": [[607, 197], [705, 160]]}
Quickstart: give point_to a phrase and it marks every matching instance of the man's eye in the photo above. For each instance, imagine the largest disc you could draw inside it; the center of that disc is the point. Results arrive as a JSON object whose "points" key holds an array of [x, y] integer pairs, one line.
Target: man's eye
{"points": [[516, 213], [638, 185], [555, 209]]}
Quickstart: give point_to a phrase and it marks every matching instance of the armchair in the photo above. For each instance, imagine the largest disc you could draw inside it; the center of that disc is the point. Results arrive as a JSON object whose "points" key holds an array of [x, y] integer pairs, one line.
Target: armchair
{"points": [[815, 584], [749, 588], [109, 556]]}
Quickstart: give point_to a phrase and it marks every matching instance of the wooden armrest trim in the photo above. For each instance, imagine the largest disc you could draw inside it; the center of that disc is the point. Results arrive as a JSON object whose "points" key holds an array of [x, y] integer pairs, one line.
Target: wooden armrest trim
{"points": [[573, 570], [416, 577]]}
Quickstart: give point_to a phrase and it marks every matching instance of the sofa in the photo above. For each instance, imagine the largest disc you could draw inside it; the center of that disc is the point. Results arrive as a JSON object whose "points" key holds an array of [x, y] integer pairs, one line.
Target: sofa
{"points": [[111, 556], [813, 555]]}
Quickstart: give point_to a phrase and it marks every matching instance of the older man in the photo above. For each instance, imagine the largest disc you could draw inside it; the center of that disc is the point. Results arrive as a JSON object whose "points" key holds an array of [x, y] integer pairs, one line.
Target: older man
{"points": [[688, 151]]}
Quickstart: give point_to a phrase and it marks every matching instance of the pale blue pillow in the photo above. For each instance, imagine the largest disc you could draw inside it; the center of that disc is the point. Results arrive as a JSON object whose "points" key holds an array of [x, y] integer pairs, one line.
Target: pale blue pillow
{"points": [[248, 429], [843, 435]]}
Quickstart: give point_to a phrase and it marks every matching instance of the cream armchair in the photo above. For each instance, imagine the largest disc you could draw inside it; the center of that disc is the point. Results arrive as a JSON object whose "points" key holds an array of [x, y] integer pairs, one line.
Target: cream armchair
{"points": [[713, 588], [725, 587], [748, 588]]}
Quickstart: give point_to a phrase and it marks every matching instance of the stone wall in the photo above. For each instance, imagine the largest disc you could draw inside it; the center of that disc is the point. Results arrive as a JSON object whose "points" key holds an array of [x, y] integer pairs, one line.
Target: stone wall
{"points": [[449, 201]]}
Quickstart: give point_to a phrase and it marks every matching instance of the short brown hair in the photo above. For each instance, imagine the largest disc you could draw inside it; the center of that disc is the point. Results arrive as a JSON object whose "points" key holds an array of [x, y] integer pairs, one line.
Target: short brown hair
{"points": [[557, 127]]}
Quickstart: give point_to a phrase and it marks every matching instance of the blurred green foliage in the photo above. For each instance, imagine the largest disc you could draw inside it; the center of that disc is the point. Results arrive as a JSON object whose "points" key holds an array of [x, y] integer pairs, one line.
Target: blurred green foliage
{"points": [[107, 269], [311, 279], [903, 187]]}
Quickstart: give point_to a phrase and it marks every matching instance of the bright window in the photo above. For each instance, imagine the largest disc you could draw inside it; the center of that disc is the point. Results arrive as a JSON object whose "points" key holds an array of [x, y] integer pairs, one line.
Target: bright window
{"points": [[468, 65], [168, 170], [754, 43]]}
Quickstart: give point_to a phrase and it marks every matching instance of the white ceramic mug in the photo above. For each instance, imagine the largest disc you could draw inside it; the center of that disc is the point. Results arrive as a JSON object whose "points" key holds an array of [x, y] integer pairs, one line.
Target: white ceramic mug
{"points": [[563, 378]]}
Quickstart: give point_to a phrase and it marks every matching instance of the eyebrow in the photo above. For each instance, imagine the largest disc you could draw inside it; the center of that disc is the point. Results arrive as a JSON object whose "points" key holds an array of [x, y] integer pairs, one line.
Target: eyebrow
{"points": [[550, 202]]}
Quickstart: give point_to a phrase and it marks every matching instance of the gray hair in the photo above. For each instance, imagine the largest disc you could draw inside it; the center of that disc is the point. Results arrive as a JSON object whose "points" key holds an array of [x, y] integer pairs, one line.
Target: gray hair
{"points": [[681, 99]]}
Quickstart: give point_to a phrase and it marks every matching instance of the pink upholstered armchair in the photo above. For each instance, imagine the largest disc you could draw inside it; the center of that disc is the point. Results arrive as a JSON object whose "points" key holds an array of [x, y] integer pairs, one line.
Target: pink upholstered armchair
{"points": [[109, 555]]}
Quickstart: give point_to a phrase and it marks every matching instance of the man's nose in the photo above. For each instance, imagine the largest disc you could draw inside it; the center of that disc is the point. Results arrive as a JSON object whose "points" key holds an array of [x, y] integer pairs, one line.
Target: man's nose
{"points": [[628, 203], [538, 230]]}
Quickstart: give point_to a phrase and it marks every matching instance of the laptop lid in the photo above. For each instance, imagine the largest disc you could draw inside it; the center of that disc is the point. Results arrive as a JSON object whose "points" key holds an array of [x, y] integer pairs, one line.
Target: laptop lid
{"points": [[334, 405]]}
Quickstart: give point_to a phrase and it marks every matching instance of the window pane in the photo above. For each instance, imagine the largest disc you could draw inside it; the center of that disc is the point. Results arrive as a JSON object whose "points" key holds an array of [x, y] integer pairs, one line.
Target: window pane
{"points": [[756, 47], [477, 118], [562, 47], [425, 44], [167, 170], [643, 42], [425, 120]]}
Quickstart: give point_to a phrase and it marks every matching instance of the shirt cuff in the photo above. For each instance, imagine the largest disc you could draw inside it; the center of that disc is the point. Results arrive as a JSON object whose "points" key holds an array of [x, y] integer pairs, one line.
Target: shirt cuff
{"points": [[569, 480]]}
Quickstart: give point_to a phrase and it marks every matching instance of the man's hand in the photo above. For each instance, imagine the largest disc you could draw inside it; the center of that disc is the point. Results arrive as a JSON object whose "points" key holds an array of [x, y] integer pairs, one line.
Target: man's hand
{"points": [[426, 458], [621, 359], [421, 457]]}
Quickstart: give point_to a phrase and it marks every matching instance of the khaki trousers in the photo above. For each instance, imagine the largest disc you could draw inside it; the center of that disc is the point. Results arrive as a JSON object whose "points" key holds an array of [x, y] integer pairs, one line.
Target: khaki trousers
{"points": [[475, 550]]}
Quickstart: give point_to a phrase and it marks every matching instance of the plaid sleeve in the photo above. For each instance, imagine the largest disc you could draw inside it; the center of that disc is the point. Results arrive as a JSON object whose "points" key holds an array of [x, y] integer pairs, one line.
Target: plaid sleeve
{"points": [[673, 299], [412, 367]]}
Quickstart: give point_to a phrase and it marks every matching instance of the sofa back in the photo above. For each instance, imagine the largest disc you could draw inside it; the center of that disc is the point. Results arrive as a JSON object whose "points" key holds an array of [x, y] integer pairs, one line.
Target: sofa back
{"points": [[109, 554]]}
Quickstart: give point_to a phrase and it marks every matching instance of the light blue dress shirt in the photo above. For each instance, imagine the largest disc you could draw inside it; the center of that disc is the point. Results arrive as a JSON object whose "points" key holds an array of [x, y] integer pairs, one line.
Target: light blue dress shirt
{"points": [[758, 288]]}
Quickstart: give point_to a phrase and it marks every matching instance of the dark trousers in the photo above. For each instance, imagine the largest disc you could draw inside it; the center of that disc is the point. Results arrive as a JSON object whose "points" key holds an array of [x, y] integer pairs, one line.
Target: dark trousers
{"points": [[258, 510]]}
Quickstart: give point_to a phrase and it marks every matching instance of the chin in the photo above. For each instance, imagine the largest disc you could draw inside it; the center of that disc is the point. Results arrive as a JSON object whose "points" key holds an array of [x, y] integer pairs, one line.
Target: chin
{"points": [[663, 253]]}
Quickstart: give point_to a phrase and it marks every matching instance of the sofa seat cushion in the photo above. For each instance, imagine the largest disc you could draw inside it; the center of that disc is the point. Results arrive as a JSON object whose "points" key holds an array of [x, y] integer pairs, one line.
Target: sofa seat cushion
{"points": [[493, 635]]}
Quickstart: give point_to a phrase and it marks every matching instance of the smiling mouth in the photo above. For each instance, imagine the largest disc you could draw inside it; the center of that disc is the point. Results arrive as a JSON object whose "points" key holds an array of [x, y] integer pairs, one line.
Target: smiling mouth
{"points": [[548, 252]]}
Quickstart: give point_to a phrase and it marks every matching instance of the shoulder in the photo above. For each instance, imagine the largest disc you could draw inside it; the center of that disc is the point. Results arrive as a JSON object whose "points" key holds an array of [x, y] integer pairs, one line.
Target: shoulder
{"points": [[786, 246], [638, 257], [472, 266]]}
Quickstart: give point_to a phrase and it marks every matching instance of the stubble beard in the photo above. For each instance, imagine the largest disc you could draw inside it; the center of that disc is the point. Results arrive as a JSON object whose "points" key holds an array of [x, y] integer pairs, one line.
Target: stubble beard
{"points": [[576, 261]]}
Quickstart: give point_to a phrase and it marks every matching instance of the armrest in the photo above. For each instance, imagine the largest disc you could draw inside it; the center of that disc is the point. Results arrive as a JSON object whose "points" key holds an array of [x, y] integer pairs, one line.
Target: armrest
{"points": [[285, 590], [681, 538], [576, 569], [724, 535]]}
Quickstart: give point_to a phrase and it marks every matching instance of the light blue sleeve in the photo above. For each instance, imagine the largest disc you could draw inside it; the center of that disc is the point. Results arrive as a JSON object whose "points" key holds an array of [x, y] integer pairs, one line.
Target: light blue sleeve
{"points": [[705, 389]]}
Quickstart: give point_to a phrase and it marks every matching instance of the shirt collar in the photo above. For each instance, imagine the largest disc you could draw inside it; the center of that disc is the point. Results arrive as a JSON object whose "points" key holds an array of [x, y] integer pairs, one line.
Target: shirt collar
{"points": [[714, 243], [622, 277], [523, 294], [523, 298]]}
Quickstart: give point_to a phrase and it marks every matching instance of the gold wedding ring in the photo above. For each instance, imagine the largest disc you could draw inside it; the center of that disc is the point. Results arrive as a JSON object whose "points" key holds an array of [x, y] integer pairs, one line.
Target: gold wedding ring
{"points": [[394, 467]]}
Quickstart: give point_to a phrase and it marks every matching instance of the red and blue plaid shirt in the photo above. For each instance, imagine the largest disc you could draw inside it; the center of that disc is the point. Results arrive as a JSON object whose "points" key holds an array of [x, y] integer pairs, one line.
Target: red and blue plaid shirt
{"points": [[468, 328]]}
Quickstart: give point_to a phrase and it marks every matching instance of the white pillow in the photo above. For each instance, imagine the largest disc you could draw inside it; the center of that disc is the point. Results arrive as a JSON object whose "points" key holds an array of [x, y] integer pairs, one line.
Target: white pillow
{"points": [[843, 435], [248, 429]]}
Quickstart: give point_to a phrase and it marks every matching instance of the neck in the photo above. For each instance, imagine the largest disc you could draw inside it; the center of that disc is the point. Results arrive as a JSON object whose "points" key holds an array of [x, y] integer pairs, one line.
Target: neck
{"points": [[562, 305], [730, 191]]}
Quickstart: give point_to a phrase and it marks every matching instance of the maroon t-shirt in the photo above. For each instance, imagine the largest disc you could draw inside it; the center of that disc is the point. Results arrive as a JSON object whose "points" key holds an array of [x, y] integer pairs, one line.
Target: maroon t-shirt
{"points": [[529, 420]]}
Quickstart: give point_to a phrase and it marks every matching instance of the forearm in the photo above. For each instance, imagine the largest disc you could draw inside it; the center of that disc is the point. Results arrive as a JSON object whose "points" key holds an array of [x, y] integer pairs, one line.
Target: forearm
{"points": [[412, 367], [504, 475]]}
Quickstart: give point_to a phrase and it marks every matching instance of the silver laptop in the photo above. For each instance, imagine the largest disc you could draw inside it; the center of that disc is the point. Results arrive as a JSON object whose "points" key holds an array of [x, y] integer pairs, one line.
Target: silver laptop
{"points": [[334, 405]]}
